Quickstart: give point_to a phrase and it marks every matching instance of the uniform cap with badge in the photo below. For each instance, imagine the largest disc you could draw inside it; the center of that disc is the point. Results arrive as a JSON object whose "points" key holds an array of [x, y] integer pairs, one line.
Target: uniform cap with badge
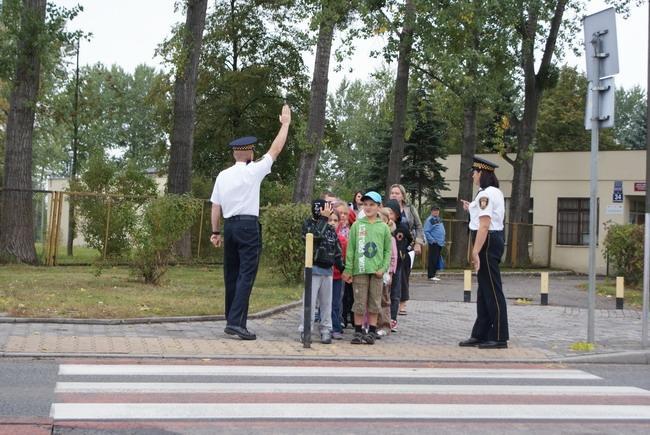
{"points": [[480, 164], [245, 143]]}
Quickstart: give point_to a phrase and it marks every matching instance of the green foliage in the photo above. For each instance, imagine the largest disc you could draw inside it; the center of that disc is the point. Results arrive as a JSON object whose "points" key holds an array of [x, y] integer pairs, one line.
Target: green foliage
{"points": [[560, 126], [251, 61], [631, 120], [361, 112], [126, 186], [282, 237], [164, 221], [424, 148], [623, 247], [423, 151]]}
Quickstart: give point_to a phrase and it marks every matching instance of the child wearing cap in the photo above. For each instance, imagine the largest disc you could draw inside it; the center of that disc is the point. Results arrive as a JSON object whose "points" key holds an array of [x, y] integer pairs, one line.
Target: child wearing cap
{"points": [[367, 258]]}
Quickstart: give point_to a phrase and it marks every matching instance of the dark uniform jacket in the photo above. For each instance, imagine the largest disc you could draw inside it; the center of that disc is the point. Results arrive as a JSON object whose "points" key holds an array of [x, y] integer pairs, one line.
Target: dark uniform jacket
{"points": [[327, 249]]}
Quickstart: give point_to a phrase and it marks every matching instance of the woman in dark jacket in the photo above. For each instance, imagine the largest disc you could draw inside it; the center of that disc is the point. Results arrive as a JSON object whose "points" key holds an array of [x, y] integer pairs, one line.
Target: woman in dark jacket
{"points": [[411, 219]]}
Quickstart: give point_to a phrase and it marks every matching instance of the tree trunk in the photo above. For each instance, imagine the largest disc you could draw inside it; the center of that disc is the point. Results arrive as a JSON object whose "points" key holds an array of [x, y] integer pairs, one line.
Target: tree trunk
{"points": [[401, 96], [182, 137], [520, 233], [17, 220], [317, 106], [72, 224], [460, 235]]}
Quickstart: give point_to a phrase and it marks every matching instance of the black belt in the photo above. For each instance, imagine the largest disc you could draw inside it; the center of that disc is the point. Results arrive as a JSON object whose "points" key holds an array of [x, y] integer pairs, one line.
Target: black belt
{"points": [[242, 217], [489, 231]]}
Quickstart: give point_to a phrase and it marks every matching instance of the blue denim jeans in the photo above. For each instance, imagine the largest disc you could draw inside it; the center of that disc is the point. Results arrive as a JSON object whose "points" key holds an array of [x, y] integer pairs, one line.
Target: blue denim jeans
{"points": [[337, 303]]}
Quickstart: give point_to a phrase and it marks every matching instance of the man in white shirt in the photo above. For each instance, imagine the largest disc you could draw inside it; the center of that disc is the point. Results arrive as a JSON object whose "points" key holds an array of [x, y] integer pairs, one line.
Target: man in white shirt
{"points": [[236, 195]]}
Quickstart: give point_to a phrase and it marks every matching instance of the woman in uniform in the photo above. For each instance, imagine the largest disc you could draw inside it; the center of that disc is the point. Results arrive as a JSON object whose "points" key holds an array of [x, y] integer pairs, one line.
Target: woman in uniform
{"points": [[486, 225]]}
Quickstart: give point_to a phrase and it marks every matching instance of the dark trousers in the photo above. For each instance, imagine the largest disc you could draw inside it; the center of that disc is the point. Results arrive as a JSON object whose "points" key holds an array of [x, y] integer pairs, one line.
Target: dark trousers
{"points": [[396, 288], [404, 279], [242, 249], [432, 259], [491, 312], [348, 301]]}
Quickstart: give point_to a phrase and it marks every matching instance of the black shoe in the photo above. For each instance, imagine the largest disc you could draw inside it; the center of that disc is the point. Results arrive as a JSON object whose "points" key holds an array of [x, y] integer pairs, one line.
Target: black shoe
{"points": [[242, 333], [493, 345], [470, 342]]}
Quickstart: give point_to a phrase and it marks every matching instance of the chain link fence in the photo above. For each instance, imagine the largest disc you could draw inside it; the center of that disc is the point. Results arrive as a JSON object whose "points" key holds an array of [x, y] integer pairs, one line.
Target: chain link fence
{"points": [[86, 227]]}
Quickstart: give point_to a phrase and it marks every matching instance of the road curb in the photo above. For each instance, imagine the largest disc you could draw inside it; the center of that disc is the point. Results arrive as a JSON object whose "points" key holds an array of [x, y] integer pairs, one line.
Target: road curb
{"points": [[624, 357], [627, 357], [145, 320]]}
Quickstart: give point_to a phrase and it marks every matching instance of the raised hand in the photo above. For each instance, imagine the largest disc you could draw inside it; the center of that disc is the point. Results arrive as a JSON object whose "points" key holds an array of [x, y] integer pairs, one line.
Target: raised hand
{"points": [[285, 117]]}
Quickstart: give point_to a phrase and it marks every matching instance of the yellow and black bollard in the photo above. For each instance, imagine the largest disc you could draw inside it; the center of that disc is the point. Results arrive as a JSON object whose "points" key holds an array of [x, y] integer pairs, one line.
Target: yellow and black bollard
{"points": [[309, 260], [620, 292], [544, 287], [467, 293]]}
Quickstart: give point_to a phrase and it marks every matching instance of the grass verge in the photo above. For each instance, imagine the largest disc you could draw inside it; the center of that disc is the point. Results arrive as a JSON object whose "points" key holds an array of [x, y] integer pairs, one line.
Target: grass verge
{"points": [[76, 292], [633, 297]]}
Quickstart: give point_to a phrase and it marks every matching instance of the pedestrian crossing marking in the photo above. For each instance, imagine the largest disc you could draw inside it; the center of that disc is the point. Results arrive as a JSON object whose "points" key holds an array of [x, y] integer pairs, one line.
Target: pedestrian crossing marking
{"points": [[277, 398], [283, 388], [339, 372], [353, 411]]}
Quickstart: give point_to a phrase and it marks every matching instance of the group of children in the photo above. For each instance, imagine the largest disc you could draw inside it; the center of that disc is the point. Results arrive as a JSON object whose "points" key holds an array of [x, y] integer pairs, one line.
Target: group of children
{"points": [[359, 256]]}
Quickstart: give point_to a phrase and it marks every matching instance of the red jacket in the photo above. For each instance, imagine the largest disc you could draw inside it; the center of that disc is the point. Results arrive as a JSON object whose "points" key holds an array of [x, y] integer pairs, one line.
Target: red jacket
{"points": [[344, 247]]}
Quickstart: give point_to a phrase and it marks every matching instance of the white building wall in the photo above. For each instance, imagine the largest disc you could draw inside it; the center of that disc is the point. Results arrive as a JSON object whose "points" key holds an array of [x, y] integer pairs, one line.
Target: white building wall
{"points": [[567, 175]]}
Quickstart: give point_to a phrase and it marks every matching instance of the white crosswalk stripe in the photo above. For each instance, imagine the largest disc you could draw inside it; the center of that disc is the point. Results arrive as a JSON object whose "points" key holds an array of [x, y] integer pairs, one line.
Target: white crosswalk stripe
{"points": [[234, 388], [341, 372], [133, 392]]}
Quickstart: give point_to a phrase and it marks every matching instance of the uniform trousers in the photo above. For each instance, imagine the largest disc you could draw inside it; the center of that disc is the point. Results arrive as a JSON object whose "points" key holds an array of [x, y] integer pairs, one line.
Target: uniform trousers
{"points": [[241, 258], [491, 312]]}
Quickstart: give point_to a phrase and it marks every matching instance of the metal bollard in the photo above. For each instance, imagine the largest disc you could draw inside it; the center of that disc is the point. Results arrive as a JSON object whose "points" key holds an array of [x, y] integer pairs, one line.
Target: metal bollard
{"points": [[544, 287], [309, 260], [620, 292], [467, 293]]}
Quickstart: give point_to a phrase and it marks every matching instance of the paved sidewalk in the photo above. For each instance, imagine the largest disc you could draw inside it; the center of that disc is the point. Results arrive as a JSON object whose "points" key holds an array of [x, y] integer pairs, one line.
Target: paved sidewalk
{"points": [[437, 319]]}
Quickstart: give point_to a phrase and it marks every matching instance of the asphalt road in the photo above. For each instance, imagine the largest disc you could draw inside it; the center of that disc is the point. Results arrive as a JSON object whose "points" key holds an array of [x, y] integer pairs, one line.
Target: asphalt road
{"points": [[28, 392]]}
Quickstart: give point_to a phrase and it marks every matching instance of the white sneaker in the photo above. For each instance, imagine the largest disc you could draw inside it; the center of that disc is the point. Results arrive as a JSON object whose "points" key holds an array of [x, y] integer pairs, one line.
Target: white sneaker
{"points": [[435, 279]]}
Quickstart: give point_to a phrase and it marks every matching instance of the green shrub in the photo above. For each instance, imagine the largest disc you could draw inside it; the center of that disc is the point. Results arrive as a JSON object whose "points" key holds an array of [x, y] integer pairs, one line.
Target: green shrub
{"points": [[105, 177], [162, 224], [624, 247], [282, 239]]}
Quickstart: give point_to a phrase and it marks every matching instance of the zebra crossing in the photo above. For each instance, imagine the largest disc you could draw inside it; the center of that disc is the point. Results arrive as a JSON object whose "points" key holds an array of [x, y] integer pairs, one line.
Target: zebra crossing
{"points": [[99, 392]]}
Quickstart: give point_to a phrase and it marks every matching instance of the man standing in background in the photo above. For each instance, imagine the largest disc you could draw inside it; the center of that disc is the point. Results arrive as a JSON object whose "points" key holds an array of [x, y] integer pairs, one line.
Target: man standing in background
{"points": [[434, 232]]}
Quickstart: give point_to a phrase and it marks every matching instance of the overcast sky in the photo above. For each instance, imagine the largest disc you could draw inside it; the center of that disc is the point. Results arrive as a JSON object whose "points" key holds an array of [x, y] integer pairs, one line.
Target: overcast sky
{"points": [[126, 32]]}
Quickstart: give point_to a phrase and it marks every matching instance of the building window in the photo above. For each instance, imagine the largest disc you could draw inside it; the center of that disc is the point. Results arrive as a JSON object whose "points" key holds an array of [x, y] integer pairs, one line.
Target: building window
{"points": [[637, 210], [573, 221]]}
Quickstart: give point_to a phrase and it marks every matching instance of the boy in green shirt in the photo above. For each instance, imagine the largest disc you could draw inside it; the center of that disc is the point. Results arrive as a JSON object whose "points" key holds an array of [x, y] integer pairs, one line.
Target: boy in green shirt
{"points": [[367, 258]]}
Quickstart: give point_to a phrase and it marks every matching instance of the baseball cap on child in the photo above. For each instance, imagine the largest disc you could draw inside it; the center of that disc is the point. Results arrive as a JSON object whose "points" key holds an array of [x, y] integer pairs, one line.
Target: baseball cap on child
{"points": [[373, 196]]}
